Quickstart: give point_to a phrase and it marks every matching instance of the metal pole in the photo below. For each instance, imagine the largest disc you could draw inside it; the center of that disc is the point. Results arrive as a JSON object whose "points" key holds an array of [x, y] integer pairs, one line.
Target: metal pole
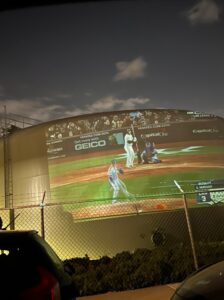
{"points": [[6, 161], [190, 232], [188, 224], [12, 218], [42, 216]]}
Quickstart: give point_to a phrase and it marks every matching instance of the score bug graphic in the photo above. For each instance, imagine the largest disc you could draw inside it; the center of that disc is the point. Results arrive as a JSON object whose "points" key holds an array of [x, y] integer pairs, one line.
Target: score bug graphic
{"points": [[214, 191]]}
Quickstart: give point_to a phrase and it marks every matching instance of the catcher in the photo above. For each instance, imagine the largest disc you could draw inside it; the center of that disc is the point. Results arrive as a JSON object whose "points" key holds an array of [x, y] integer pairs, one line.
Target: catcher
{"points": [[116, 183], [150, 153]]}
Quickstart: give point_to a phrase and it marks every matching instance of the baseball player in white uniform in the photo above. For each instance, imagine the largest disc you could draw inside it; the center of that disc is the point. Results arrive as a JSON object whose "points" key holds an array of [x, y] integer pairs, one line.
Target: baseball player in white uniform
{"points": [[128, 147], [116, 183]]}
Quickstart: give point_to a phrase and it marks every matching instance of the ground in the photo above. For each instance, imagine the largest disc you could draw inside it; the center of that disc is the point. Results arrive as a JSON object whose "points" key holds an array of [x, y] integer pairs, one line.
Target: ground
{"points": [[163, 292]]}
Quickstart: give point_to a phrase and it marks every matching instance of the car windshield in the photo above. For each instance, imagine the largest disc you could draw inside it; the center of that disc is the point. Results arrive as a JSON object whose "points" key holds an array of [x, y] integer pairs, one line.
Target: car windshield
{"points": [[207, 281]]}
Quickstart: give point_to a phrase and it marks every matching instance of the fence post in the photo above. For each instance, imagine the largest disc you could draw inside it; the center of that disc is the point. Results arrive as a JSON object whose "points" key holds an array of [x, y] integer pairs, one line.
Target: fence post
{"points": [[190, 231], [188, 224], [12, 218], [42, 204]]}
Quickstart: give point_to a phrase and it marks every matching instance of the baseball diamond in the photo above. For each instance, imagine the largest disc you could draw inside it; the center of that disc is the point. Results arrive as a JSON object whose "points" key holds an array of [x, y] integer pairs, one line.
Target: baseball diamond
{"points": [[90, 183]]}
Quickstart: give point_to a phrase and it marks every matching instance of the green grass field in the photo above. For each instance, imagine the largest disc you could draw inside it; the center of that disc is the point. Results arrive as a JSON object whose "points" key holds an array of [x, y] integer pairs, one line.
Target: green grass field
{"points": [[60, 169], [98, 192], [143, 187]]}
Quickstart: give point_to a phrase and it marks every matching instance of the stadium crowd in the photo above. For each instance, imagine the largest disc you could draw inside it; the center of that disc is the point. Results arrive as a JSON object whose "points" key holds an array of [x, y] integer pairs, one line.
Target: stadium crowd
{"points": [[99, 122]]}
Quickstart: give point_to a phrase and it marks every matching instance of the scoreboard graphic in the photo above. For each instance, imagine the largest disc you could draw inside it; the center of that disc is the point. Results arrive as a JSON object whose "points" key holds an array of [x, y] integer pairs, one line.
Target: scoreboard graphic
{"points": [[210, 191]]}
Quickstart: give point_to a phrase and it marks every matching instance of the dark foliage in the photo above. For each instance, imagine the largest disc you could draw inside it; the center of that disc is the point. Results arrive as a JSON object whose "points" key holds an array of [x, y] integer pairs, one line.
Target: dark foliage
{"points": [[142, 268]]}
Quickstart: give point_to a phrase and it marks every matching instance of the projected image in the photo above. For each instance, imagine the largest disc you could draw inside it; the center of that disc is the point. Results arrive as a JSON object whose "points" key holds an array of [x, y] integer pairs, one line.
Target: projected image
{"points": [[117, 163]]}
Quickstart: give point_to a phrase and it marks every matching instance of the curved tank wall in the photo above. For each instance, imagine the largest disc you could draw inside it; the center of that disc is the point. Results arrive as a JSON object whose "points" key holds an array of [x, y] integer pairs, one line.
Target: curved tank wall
{"points": [[76, 162], [2, 187]]}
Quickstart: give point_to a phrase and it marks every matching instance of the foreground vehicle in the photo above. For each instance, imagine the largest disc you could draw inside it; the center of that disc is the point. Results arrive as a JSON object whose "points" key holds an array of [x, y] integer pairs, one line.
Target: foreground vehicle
{"points": [[30, 269], [206, 283]]}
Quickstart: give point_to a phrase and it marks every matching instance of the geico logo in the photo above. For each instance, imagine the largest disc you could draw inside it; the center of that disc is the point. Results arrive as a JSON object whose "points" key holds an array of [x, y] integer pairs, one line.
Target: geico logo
{"points": [[89, 145]]}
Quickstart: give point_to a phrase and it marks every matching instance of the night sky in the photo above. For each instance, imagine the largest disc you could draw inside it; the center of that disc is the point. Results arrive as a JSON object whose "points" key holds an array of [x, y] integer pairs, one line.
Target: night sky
{"points": [[64, 60]]}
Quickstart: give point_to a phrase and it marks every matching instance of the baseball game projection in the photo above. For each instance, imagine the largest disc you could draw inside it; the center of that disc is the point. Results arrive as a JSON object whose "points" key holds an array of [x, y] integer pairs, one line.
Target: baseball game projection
{"points": [[116, 163]]}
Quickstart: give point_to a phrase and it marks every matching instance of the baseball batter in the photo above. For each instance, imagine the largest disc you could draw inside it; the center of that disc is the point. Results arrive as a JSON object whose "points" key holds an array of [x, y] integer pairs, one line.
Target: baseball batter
{"points": [[116, 183], [128, 147]]}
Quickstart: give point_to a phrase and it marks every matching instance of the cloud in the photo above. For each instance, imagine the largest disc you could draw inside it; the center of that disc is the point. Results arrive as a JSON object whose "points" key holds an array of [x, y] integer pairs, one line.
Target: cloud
{"points": [[45, 111], [204, 12], [64, 96], [130, 70], [33, 109], [109, 103]]}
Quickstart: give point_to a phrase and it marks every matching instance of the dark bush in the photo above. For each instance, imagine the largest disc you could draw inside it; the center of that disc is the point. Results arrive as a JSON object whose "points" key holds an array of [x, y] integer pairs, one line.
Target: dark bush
{"points": [[142, 268]]}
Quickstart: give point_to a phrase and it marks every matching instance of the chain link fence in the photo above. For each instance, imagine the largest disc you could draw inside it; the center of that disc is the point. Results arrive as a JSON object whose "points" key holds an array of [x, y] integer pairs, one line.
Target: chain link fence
{"points": [[106, 230]]}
